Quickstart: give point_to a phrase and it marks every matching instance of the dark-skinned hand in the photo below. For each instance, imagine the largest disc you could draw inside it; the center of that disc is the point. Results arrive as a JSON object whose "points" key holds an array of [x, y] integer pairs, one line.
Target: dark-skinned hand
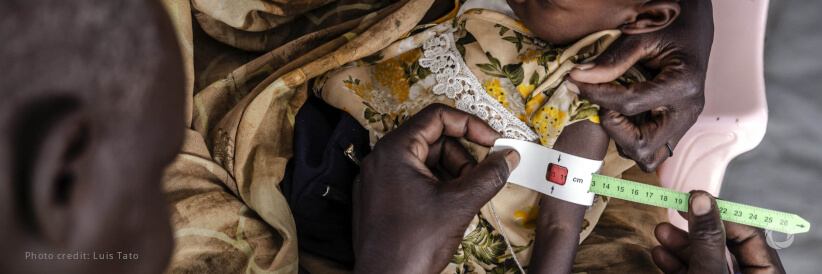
{"points": [[702, 249], [680, 54], [407, 219]]}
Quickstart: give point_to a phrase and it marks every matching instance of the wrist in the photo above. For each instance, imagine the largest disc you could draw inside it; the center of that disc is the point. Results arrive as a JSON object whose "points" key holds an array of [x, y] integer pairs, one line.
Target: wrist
{"points": [[557, 236], [560, 216]]}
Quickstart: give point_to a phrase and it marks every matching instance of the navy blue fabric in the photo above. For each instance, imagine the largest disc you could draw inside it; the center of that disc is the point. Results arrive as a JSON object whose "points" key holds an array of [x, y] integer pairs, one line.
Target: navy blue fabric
{"points": [[319, 178]]}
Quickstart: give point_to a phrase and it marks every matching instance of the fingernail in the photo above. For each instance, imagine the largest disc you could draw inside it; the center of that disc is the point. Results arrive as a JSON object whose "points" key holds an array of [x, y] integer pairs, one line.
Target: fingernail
{"points": [[512, 159], [701, 204], [585, 66], [572, 87]]}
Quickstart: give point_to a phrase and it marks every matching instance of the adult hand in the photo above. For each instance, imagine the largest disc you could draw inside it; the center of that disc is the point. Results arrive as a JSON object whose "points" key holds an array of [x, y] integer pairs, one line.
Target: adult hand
{"points": [[702, 249], [680, 53], [407, 219]]}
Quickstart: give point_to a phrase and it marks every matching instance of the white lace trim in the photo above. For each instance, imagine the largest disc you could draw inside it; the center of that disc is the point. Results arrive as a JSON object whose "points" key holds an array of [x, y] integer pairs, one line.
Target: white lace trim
{"points": [[455, 80]]}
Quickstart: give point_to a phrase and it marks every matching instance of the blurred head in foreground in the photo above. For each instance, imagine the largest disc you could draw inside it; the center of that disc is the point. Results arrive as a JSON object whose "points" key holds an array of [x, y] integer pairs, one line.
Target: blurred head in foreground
{"points": [[91, 109]]}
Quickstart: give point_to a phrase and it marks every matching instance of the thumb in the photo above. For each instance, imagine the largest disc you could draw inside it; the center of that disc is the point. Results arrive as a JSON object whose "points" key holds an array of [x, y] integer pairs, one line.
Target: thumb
{"points": [[612, 63], [478, 185], [707, 235]]}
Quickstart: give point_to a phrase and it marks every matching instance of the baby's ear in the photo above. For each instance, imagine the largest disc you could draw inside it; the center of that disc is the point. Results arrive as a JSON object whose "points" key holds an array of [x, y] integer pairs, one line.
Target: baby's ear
{"points": [[51, 138], [652, 16]]}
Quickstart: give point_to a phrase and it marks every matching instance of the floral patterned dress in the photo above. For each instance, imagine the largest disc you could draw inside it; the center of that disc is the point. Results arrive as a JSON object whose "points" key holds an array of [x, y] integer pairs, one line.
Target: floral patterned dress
{"points": [[489, 65]]}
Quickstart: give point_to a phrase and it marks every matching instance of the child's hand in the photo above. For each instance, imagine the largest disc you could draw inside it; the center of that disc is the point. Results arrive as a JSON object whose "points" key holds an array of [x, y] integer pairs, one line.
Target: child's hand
{"points": [[680, 52]]}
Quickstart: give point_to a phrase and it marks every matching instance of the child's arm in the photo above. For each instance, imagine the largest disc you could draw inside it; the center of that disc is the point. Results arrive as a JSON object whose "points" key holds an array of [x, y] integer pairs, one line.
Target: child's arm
{"points": [[559, 222]]}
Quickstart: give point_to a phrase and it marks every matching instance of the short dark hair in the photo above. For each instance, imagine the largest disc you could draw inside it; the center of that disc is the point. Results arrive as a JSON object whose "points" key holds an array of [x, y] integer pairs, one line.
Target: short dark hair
{"points": [[101, 50], [58, 55]]}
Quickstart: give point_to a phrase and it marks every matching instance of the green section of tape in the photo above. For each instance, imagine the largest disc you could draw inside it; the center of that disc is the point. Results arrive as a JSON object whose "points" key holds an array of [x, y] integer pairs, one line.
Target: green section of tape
{"points": [[663, 197]]}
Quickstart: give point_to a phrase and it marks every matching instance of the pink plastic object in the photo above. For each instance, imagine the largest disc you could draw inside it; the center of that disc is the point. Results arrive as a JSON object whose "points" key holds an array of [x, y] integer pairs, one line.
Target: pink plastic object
{"points": [[735, 114]]}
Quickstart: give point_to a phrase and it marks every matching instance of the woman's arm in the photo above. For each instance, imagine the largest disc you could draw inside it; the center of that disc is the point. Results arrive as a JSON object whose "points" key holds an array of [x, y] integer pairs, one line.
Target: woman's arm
{"points": [[559, 222], [680, 53]]}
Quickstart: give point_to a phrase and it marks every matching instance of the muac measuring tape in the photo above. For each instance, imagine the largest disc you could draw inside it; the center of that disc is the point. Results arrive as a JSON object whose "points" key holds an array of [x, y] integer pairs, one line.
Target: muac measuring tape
{"points": [[574, 179]]}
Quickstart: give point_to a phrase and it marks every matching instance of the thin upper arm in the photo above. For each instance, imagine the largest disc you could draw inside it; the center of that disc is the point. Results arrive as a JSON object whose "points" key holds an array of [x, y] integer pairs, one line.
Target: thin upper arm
{"points": [[584, 139], [557, 234]]}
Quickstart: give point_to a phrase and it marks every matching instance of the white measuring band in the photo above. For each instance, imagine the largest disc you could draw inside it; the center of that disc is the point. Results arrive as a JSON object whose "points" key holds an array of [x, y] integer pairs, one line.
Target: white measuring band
{"points": [[539, 164]]}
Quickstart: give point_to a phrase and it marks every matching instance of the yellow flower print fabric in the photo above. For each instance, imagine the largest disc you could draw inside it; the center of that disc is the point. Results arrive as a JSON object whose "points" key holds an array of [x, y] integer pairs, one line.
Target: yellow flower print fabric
{"points": [[527, 217], [385, 88], [514, 65], [523, 74]]}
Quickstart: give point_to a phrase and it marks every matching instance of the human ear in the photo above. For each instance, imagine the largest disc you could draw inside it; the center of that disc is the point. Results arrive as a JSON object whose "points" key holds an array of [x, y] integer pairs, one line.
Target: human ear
{"points": [[652, 16], [51, 139]]}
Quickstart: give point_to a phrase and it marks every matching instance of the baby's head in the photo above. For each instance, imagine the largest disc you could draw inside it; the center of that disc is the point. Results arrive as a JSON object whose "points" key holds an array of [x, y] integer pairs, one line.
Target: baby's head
{"points": [[566, 21], [91, 112]]}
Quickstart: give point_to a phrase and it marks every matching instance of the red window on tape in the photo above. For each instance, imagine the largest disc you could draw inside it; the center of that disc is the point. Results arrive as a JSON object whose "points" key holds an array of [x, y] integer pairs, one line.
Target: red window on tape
{"points": [[556, 174]]}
